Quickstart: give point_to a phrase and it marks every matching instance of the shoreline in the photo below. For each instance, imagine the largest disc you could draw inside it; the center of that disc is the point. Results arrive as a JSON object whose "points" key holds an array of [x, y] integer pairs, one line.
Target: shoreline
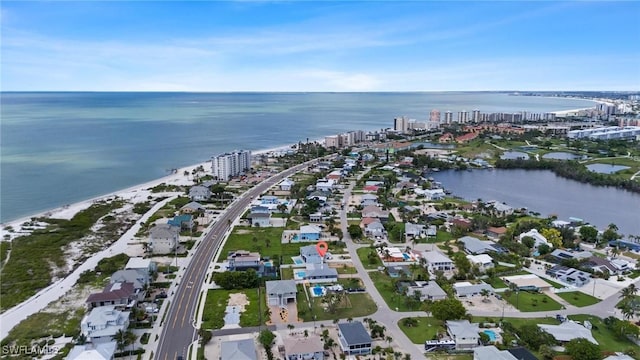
{"points": [[69, 210]]}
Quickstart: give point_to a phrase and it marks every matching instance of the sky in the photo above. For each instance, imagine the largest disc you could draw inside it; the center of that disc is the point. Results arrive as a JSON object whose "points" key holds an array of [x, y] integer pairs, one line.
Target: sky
{"points": [[319, 46]]}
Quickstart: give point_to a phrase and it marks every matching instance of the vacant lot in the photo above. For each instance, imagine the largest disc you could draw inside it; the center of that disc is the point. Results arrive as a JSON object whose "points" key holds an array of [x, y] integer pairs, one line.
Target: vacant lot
{"points": [[576, 298]]}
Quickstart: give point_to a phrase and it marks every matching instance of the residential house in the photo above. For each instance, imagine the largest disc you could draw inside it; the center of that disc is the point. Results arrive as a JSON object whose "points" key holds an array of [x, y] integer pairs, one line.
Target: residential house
{"points": [[375, 212], [558, 255], [163, 238], [354, 338], [260, 219], [309, 233], [396, 271], [182, 222], [116, 294], [315, 217], [496, 232], [320, 196], [527, 282], [375, 229], [242, 260], [497, 208], [131, 276], [286, 184], [320, 273], [482, 261], [412, 231], [432, 230], [492, 353], [621, 265], [269, 200], [465, 334], [303, 348], [238, 350], [146, 268], [462, 223], [430, 194], [102, 323], [619, 356], [476, 246], [569, 275], [428, 290], [335, 175], [601, 265], [371, 188], [199, 193], [467, 289], [193, 208], [406, 185], [437, 261], [536, 236], [259, 209], [281, 292], [568, 331], [310, 254], [90, 351], [325, 185], [369, 199]]}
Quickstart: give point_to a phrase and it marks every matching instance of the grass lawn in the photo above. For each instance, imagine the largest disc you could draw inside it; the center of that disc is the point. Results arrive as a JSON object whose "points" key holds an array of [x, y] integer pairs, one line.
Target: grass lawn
{"points": [[553, 283], [441, 236], [607, 339], [242, 238], [363, 253], [496, 282], [632, 254], [385, 287], [634, 274], [353, 305], [217, 300], [427, 329], [287, 273], [346, 269], [576, 298], [517, 322], [528, 301]]}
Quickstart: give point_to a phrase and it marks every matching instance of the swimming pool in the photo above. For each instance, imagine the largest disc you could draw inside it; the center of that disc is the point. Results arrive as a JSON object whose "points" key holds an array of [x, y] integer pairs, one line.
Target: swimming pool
{"points": [[297, 260], [295, 237], [301, 274], [406, 256], [318, 291], [491, 334]]}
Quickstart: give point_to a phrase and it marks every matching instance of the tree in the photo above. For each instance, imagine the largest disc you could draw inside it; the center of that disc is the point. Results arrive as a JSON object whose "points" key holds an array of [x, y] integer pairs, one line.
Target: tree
{"points": [[410, 322], [120, 338], [485, 294], [588, 234], [544, 249], [205, 336], [528, 241], [448, 309], [229, 280], [355, 231], [583, 349], [553, 236]]}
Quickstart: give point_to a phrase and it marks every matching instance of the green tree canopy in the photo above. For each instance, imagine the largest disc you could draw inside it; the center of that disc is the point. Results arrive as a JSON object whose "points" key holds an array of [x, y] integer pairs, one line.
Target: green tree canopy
{"points": [[448, 309], [583, 349]]}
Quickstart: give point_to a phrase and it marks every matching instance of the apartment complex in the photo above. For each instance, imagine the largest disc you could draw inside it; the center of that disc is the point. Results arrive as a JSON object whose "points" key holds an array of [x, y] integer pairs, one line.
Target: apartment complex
{"points": [[227, 165]]}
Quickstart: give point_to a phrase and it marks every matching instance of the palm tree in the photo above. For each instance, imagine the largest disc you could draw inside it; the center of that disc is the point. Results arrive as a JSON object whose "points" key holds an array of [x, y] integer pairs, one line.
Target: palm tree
{"points": [[485, 294], [627, 310], [120, 338]]}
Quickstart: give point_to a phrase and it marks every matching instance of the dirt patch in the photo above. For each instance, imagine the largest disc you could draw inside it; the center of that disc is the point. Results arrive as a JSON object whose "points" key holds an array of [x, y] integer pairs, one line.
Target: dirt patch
{"points": [[243, 231], [238, 299]]}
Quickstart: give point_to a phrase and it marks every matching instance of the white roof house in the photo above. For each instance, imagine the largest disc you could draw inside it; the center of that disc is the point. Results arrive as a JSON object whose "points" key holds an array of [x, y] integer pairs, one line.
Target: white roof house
{"points": [[491, 353], [286, 184], [465, 334], [90, 351], [466, 288], [438, 261], [568, 331], [483, 261], [103, 322], [537, 237], [238, 350]]}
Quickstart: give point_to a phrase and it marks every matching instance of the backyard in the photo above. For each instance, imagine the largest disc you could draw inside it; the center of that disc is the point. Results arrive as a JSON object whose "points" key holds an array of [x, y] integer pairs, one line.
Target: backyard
{"points": [[369, 262], [605, 337], [395, 301], [351, 306]]}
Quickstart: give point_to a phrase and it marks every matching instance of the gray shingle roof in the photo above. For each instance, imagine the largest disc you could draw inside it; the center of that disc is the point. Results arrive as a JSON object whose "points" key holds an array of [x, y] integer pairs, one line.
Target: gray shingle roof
{"points": [[281, 287], [354, 333], [238, 350]]}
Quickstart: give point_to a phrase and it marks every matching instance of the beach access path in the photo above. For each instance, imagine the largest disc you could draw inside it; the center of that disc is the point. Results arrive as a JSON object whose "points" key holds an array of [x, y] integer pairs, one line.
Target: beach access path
{"points": [[12, 317]]}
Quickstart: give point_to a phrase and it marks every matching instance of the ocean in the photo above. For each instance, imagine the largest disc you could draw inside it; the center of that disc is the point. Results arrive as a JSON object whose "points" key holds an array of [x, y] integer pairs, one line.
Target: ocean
{"points": [[64, 147]]}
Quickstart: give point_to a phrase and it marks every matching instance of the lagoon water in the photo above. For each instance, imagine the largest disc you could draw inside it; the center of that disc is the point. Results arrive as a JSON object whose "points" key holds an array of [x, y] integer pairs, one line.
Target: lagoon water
{"points": [[544, 192], [59, 148]]}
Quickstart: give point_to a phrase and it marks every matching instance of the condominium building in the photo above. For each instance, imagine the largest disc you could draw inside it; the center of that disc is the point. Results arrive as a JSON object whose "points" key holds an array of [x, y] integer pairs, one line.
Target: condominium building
{"points": [[227, 165], [448, 117]]}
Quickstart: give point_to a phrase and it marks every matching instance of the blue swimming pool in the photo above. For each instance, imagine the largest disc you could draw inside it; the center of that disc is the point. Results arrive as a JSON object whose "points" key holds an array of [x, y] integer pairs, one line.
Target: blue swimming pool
{"points": [[297, 260], [406, 256], [301, 274], [295, 237], [491, 334], [318, 290]]}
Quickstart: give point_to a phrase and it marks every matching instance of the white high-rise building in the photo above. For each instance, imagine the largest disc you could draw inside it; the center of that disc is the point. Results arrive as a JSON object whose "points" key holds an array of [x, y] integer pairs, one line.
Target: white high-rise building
{"points": [[476, 116], [448, 117], [227, 165]]}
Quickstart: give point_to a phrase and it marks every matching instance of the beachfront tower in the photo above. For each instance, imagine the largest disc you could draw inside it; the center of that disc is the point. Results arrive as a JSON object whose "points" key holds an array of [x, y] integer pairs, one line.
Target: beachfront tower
{"points": [[227, 165]]}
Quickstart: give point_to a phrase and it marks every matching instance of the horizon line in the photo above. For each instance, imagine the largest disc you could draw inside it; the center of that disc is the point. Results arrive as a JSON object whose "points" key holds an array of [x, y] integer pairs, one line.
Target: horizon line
{"points": [[315, 92]]}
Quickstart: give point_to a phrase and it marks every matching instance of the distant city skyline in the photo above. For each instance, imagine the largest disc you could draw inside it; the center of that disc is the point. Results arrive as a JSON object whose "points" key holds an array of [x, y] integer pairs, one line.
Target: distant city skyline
{"points": [[320, 46]]}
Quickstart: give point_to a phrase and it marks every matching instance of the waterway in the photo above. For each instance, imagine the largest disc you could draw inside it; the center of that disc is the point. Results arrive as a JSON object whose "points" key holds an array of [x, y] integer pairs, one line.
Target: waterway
{"points": [[544, 192]]}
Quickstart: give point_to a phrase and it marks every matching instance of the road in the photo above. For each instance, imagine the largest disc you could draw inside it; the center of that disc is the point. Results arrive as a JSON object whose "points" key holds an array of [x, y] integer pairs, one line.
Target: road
{"points": [[178, 330]]}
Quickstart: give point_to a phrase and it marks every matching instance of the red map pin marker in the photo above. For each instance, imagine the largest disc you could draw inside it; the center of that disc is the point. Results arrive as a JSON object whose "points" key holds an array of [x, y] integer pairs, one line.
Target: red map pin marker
{"points": [[322, 248]]}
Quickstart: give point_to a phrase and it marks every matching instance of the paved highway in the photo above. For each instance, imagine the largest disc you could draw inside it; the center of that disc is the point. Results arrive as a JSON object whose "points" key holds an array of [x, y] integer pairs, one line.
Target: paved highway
{"points": [[179, 330]]}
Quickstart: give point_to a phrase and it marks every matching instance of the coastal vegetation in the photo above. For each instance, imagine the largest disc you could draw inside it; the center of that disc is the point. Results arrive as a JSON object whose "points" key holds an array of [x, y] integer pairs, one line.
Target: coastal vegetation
{"points": [[45, 325], [217, 301], [571, 170], [39, 257]]}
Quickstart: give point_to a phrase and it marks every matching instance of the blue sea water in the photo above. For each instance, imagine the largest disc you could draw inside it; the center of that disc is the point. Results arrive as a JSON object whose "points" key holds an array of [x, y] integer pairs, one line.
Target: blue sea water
{"points": [[60, 148]]}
